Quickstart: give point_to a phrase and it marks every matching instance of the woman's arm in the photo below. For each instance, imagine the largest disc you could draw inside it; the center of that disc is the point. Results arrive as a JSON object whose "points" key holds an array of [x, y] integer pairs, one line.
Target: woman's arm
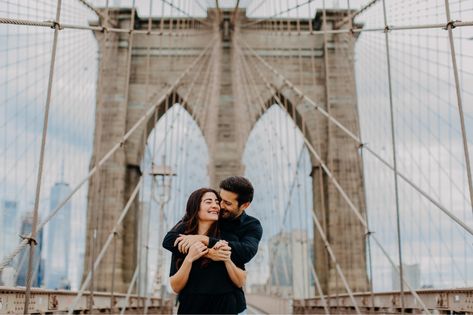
{"points": [[222, 252], [179, 279], [237, 275]]}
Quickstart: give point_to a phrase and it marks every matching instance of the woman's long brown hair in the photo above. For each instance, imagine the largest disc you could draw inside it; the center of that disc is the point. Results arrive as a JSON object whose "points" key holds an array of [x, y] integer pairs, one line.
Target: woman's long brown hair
{"points": [[190, 221]]}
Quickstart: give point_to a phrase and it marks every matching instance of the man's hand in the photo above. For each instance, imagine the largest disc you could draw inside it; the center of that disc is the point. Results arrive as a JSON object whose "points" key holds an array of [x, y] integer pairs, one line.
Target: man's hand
{"points": [[184, 242], [220, 244], [196, 251], [220, 252]]}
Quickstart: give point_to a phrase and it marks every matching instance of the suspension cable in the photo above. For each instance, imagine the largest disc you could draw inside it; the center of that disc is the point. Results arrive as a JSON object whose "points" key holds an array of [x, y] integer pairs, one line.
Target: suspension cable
{"points": [[361, 145], [157, 101], [459, 100], [30, 240], [107, 243], [395, 170], [349, 202]]}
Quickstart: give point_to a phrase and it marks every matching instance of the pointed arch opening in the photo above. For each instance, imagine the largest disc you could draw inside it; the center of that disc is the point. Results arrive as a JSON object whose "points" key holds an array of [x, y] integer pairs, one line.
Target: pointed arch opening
{"points": [[278, 164], [174, 163]]}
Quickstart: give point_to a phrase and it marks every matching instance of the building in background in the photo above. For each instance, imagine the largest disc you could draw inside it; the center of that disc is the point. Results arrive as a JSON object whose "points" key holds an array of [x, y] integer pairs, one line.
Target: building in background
{"points": [[59, 239], [38, 262], [289, 262], [259, 270], [9, 228], [411, 275]]}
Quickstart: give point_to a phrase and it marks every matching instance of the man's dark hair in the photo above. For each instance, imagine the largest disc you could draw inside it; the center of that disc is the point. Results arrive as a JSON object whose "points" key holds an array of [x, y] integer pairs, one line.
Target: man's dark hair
{"points": [[240, 186]]}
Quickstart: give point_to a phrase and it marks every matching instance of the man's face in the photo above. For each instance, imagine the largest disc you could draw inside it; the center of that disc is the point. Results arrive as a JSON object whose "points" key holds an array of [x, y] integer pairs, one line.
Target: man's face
{"points": [[229, 205]]}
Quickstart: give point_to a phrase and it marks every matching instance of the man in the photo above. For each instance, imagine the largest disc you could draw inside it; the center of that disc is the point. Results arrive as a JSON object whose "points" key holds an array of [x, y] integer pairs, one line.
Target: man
{"points": [[236, 195]]}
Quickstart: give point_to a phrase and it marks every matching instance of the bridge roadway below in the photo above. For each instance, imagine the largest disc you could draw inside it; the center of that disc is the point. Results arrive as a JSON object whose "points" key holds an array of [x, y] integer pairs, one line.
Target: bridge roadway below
{"points": [[453, 301]]}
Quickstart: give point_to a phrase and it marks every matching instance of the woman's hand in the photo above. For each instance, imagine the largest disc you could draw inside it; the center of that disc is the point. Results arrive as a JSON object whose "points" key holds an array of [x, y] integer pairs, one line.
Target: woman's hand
{"points": [[196, 251]]}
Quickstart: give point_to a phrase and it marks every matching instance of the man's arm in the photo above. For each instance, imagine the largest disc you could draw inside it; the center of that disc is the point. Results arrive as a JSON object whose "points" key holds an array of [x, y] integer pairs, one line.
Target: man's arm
{"points": [[246, 247], [177, 243], [171, 236]]}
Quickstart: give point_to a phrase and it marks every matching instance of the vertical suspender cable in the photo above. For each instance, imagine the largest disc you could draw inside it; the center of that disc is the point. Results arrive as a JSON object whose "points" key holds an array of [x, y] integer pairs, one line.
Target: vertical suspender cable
{"points": [[32, 242], [368, 234], [459, 100], [393, 139]]}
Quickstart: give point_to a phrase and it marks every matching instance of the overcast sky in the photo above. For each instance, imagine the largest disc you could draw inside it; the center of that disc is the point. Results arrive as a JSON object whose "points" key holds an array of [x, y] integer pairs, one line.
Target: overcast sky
{"points": [[428, 138]]}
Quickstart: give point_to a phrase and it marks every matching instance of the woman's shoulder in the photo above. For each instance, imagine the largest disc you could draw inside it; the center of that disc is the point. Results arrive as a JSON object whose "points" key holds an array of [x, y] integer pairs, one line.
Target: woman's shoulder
{"points": [[179, 227]]}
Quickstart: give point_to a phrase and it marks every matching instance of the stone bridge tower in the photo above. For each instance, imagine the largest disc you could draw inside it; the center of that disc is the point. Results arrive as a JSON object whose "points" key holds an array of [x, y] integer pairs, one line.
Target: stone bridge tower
{"points": [[137, 70]]}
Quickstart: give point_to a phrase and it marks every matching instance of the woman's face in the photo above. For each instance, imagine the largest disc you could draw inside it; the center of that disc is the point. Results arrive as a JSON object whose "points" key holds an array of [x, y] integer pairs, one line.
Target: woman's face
{"points": [[209, 207]]}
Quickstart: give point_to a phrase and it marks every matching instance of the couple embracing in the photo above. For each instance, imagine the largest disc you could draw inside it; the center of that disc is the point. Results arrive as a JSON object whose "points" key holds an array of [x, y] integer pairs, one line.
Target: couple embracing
{"points": [[210, 247]]}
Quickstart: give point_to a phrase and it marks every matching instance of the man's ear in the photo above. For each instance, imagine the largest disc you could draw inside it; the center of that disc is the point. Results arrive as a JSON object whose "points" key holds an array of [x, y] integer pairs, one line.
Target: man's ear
{"points": [[245, 205]]}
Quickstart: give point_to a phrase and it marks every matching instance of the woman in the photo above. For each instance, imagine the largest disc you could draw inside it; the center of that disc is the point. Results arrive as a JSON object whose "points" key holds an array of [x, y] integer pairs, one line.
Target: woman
{"points": [[205, 286]]}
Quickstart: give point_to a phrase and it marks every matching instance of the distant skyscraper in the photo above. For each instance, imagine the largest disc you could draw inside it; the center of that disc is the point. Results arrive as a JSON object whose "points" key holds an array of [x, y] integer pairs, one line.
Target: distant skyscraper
{"points": [[38, 263], [8, 235], [8, 227], [289, 257], [59, 237]]}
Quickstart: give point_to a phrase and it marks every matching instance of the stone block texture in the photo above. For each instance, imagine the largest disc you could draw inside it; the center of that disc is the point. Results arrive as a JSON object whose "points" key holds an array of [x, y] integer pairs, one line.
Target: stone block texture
{"points": [[137, 69]]}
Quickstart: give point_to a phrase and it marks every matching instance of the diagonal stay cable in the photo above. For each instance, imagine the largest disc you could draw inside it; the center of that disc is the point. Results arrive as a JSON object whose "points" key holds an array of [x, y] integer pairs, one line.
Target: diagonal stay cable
{"points": [[458, 88], [277, 14], [109, 154], [250, 82], [185, 13], [316, 221], [349, 202], [106, 245], [101, 28], [362, 145], [93, 8], [130, 288]]}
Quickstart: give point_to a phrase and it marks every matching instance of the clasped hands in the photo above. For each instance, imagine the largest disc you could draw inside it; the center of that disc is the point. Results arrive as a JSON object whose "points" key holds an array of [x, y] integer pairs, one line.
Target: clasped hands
{"points": [[194, 247]]}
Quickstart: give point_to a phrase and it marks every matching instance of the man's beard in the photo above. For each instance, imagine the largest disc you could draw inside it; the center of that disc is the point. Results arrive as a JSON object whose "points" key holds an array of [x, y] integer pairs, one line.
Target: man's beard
{"points": [[225, 214]]}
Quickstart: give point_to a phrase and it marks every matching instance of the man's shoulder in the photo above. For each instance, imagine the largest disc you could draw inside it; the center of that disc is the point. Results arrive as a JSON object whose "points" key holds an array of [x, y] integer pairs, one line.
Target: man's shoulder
{"points": [[250, 219]]}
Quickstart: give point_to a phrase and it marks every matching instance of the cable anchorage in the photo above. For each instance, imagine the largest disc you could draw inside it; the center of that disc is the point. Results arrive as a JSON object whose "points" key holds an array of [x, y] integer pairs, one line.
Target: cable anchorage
{"points": [[451, 24], [29, 240], [55, 25]]}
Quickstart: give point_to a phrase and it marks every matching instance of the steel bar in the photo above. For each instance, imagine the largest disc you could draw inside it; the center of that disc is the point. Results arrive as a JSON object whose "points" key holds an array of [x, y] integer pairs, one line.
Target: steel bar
{"points": [[443, 301], [64, 26], [48, 301], [390, 28], [454, 24]]}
